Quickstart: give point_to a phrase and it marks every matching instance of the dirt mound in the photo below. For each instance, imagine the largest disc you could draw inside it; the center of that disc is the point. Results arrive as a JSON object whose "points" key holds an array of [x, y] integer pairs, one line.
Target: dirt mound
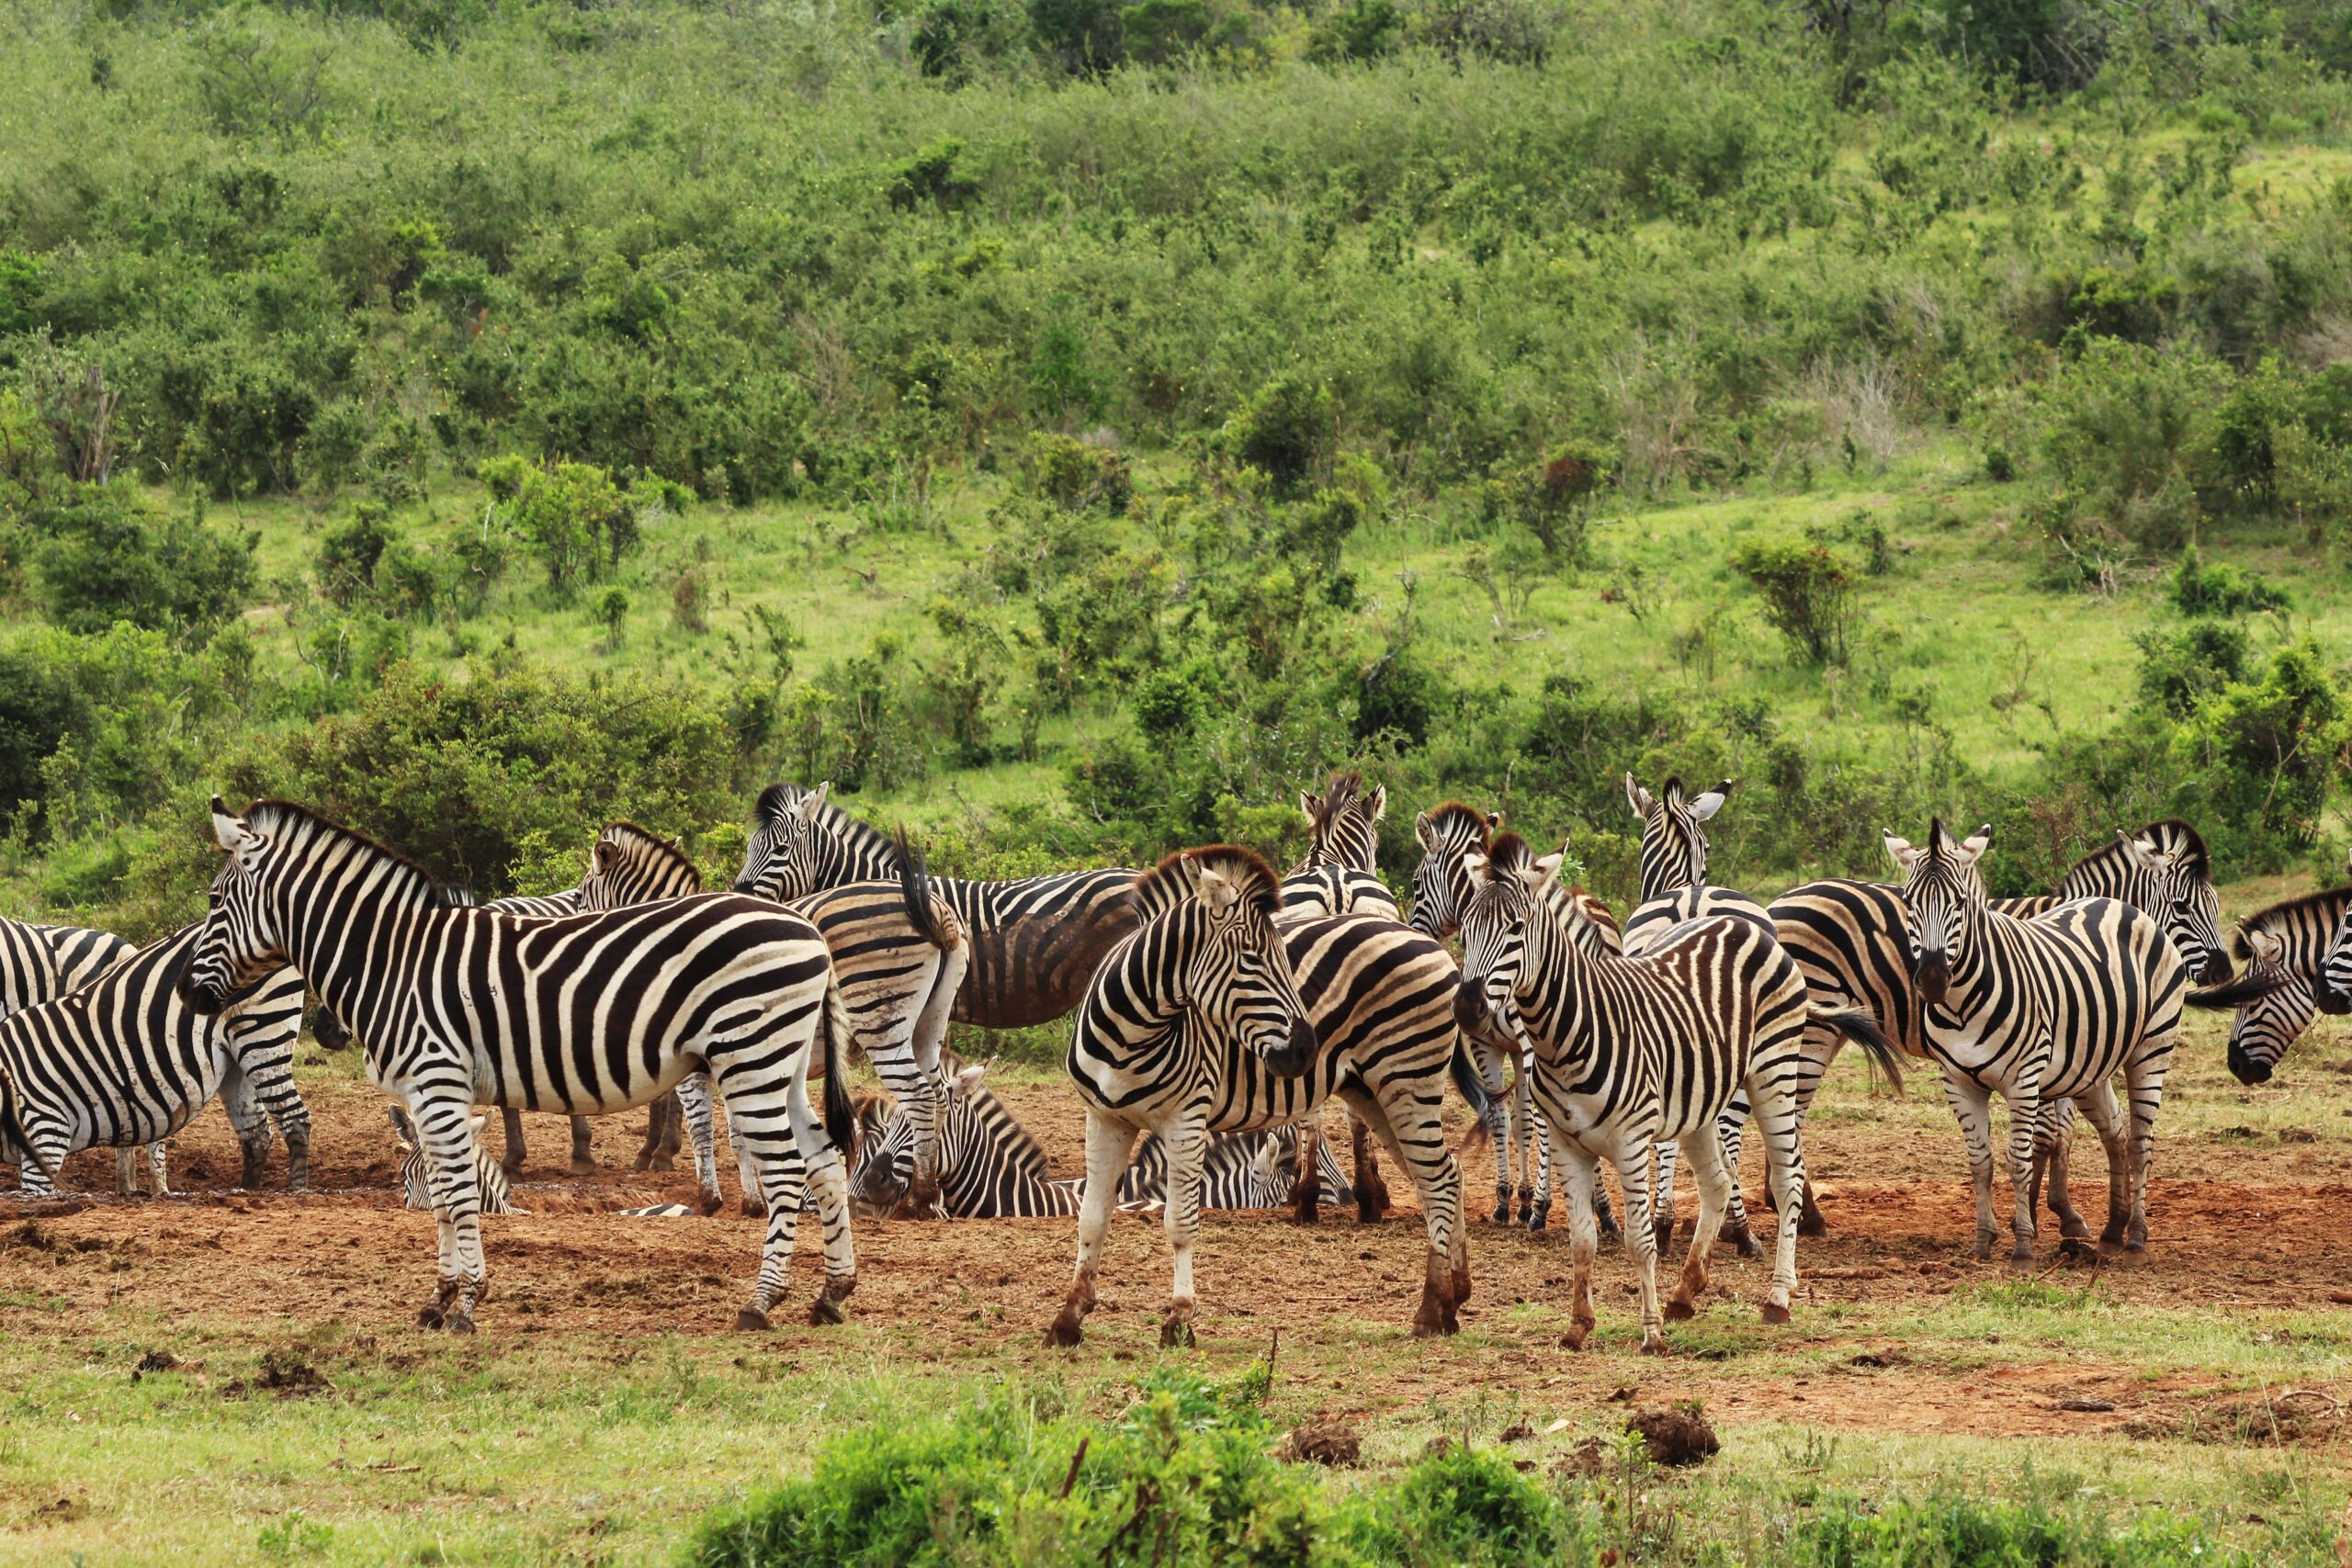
{"points": [[1681, 1435]]}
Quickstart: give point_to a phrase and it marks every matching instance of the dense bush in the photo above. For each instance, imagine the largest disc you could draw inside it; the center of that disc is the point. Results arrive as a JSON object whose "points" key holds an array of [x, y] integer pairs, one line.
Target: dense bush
{"points": [[102, 554]]}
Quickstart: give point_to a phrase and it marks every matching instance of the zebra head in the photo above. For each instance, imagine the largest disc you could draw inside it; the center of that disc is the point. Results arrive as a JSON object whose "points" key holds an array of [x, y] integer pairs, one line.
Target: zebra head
{"points": [[883, 1171], [1230, 967], [1674, 846], [2274, 1006], [1944, 891], [780, 862], [1442, 882], [1343, 823], [2172, 855], [1505, 928], [239, 944], [630, 864]]}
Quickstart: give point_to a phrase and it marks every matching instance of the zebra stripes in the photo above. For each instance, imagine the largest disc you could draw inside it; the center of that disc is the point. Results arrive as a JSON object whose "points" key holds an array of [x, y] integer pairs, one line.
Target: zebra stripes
{"points": [[588, 1013], [1212, 1016], [1629, 1052], [40, 963], [124, 1061], [2333, 988], [415, 1174], [2038, 1011], [2275, 996]]}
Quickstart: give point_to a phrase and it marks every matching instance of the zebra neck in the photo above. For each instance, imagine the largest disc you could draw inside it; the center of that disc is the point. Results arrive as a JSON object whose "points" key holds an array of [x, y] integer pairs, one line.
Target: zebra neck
{"points": [[1553, 996], [1991, 943], [346, 947], [2109, 873], [852, 851]]}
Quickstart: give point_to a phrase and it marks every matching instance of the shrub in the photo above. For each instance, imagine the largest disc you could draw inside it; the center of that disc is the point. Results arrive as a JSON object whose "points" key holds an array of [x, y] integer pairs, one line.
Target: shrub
{"points": [[2196, 589], [1079, 475], [2275, 745], [36, 709], [572, 514], [1284, 430], [105, 556], [1808, 592], [2180, 668], [348, 554]]}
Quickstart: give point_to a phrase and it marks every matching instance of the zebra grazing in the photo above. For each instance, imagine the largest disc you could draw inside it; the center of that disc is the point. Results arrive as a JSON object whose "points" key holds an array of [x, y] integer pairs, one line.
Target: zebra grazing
{"points": [[1629, 1052], [1450, 836], [1339, 875], [2284, 948], [588, 1013], [992, 1167], [2042, 1010], [122, 1061], [1853, 940], [1194, 1024]]}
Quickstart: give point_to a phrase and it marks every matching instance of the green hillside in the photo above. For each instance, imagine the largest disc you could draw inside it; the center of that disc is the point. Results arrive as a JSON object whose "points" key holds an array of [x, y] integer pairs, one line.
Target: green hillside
{"points": [[1072, 430]]}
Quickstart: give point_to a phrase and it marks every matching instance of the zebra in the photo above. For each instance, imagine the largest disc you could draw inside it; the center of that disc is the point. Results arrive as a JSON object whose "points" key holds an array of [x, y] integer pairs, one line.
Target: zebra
{"points": [[417, 1176], [122, 1061], [590, 1013], [2039, 1010], [991, 1166], [1449, 835], [1631, 1051], [1214, 1015], [1851, 939], [1339, 875], [39, 963], [2284, 948], [898, 957], [2332, 982]]}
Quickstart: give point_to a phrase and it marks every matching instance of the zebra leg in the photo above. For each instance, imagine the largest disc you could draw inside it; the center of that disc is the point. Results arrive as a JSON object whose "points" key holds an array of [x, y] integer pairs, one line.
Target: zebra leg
{"points": [[690, 1103], [1641, 1238], [2052, 1153], [2025, 1131], [2098, 1108], [584, 1159], [1580, 1174], [158, 1185], [1409, 1122], [269, 1076], [1536, 1164], [829, 1181], [659, 1131], [1662, 1213], [762, 1119], [1731, 1128], [2143, 1077], [1499, 1121], [1187, 1150], [1306, 1170], [918, 1094], [1372, 1189], [1780, 1126], [1972, 1106], [510, 1162], [126, 1172], [445, 1131], [237, 1102], [1716, 1190], [1109, 1144]]}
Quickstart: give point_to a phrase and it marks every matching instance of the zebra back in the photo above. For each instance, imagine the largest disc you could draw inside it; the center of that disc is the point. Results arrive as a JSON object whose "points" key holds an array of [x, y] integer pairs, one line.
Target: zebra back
{"points": [[41, 963], [630, 864]]}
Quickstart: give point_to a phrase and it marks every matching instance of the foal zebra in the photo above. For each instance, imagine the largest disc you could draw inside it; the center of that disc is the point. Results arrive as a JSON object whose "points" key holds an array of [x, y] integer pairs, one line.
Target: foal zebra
{"points": [[2038, 1011], [41, 962], [1213, 1017], [1629, 1052], [590, 1013], [124, 1061], [2284, 948]]}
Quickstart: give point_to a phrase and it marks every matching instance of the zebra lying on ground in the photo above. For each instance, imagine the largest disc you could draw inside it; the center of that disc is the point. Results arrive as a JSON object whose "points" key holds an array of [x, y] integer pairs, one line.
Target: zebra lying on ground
{"points": [[123, 1062], [2284, 948], [990, 1166], [1449, 835], [589, 1013], [1631, 1051], [1194, 1024], [2039, 1010]]}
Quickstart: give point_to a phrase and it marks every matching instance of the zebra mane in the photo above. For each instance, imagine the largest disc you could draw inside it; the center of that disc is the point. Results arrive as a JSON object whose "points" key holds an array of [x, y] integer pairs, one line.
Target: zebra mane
{"points": [[777, 799], [2329, 904], [1508, 853], [650, 845], [276, 817], [1168, 884], [1344, 789], [2200, 860], [1454, 812]]}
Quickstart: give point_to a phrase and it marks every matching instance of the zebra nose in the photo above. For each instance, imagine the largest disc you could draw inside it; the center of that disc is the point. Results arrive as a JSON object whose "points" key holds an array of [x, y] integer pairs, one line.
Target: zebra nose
{"points": [[1470, 1003], [2329, 998], [2215, 969], [745, 884], [1933, 973]]}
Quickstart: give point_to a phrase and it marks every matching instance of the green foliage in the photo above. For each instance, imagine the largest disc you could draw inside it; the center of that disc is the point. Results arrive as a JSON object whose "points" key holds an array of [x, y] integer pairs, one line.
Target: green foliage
{"points": [[2221, 589], [579, 520], [102, 555], [1285, 431], [1808, 592], [1957, 1530], [2275, 746], [350, 551]]}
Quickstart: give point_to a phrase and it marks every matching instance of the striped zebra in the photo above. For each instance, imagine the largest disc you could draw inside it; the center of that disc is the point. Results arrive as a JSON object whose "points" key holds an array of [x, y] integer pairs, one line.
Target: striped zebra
{"points": [[1853, 940], [41, 962], [2332, 984], [991, 1166], [898, 957], [416, 1175], [588, 1013], [1339, 875], [2273, 999], [1629, 1052], [1214, 1016], [1450, 834], [2038, 1011], [123, 1062]]}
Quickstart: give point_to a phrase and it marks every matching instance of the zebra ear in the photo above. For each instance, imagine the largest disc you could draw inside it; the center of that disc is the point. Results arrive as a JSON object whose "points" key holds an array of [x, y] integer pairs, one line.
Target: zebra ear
{"points": [[230, 829], [1707, 805], [1309, 804], [1494, 821], [1376, 804], [481, 1120], [1213, 888], [814, 802], [968, 1082], [1976, 845], [604, 853], [2145, 854], [1639, 799], [1477, 864], [1547, 869], [1899, 849], [2267, 946], [1424, 831]]}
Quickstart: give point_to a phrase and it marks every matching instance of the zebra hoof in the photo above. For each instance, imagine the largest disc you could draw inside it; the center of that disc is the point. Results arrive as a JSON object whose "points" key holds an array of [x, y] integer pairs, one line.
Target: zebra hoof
{"points": [[428, 1317], [2136, 1244], [1575, 1338], [2077, 1249], [825, 1310], [1679, 1309], [1775, 1313], [1983, 1248], [1176, 1334], [1064, 1333], [1664, 1232], [1541, 1219], [752, 1320], [1745, 1239], [459, 1323], [709, 1201], [589, 1167], [1501, 1215], [2022, 1254], [754, 1207], [1654, 1346]]}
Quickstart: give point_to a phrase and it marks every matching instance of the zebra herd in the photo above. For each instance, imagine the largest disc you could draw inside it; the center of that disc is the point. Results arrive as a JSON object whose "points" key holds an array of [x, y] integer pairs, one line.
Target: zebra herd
{"points": [[1216, 1007]]}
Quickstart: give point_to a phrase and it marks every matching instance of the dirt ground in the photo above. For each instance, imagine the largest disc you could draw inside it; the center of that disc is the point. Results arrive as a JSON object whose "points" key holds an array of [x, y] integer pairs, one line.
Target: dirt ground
{"points": [[2238, 1220]]}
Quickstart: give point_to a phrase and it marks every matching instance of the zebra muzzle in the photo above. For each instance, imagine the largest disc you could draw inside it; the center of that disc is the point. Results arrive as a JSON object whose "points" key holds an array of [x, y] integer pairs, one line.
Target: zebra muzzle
{"points": [[1470, 1003], [1296, 1053], [1932, 974]]}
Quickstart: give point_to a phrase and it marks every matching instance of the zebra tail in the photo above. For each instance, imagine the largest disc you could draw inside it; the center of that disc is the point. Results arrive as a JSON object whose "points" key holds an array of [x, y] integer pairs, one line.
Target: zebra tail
{"points": [[914, 881], [1465, 1078], [12, 1121], [840, 1115], [1863, 1031]]}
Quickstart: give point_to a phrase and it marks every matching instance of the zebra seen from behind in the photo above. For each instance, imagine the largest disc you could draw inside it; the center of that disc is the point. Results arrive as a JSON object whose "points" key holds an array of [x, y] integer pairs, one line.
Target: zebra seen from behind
{"points": [[587, 1013], [124, 1061], [1631, 1051], [1215, 1016], [2038, 1011]]}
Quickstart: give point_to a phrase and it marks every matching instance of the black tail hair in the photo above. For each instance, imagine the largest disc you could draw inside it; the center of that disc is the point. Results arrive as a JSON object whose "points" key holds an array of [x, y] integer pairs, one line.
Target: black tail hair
{"points": [[2251, 985], [840, 1114], [1465, 1078], [1863, 1031], [326, 1028], [915, 883], [12, 1121]]}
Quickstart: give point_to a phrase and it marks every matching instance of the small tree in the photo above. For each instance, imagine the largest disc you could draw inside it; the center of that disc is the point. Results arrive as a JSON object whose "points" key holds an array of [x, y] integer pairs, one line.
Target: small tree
{"points": [[1808, 594], [612, 614]]}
